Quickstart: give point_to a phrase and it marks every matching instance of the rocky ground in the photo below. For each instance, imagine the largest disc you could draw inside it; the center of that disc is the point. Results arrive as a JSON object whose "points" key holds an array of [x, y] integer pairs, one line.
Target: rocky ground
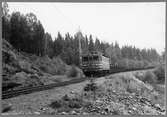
{"points": [[118, 94]]}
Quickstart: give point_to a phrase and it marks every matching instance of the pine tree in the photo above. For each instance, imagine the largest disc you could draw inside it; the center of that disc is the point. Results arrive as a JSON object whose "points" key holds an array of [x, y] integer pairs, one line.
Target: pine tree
{"points": [[91, 43]]}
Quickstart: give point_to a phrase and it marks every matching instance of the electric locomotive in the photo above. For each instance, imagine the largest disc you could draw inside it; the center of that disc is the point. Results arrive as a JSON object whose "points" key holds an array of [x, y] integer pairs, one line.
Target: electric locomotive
{"points": [[94, 62]]}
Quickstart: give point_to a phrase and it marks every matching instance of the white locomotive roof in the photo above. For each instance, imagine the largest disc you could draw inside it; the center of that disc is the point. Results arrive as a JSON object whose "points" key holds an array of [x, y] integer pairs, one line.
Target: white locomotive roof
{"points": [[92, 53]]}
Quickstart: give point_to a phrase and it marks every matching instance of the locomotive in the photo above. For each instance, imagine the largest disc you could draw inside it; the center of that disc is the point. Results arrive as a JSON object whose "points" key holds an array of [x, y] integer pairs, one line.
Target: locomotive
{"points": [[95, 62]]}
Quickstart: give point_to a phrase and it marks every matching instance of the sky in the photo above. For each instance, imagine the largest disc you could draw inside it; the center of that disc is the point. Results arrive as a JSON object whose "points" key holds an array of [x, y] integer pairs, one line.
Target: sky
{"points": [[138, 24]]}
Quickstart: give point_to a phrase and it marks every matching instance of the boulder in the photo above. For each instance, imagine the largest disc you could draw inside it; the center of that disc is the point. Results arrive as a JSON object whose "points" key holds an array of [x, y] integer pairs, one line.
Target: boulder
{"points": [[73, 112], [63, 113]]}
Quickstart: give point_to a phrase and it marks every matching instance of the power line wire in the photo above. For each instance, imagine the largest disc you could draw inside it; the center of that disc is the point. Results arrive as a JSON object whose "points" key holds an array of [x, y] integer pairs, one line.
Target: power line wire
{"points": [[65, 17]]}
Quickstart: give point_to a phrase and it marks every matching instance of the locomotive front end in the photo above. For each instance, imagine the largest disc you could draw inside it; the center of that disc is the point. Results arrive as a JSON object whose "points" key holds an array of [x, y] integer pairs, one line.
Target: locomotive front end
{"points": [[91, 63], [94, 62]]}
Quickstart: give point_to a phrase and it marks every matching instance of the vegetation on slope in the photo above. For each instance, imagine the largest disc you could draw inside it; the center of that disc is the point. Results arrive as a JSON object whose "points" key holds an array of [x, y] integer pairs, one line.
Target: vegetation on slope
{"points": [[22, 69]]}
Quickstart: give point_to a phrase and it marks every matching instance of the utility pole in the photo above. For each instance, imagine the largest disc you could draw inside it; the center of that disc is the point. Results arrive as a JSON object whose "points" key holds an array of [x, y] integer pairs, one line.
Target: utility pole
{"points": [[46, 45], [80, 49]]}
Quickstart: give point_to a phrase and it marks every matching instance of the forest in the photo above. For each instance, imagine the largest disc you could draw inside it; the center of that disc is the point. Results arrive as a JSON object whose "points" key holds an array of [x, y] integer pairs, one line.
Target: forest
{"points": [[26, 33]]}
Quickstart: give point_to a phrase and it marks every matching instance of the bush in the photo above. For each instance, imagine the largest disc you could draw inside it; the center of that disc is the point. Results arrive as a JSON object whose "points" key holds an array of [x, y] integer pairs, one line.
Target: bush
{"points": [[72, 72], [160, 73], [56, 104], [66, 103], [75, 103], [115, 112], [139, 75], [66, 98], [92, 86], [149, 77]]}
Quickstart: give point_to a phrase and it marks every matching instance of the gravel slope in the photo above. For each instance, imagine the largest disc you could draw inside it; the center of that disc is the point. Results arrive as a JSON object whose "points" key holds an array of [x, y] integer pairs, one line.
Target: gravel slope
{"points": [[35, 103]]}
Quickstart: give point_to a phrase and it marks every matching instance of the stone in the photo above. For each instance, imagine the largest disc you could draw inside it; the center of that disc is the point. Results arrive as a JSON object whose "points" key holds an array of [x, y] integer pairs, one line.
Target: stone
{"points": [[103, 113], [107, 109], [98, 101], [133, 108], [72, 92], [158, 107], [37, 113], [64, 113], [73, 112], [130, 112], [84, 113]]}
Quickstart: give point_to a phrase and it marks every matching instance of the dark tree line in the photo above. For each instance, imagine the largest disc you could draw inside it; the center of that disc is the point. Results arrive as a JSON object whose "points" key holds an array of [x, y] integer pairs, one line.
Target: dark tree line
{"points": [[67, 47], [26, 33]]}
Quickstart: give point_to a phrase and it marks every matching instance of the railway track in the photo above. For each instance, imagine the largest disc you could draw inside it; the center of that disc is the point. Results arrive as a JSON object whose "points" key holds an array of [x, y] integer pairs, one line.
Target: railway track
{"points": [[27, 90], [116, 70]]}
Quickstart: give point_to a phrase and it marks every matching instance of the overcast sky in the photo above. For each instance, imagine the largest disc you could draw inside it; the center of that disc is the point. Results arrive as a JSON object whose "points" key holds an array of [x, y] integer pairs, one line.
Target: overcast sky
{"points": [[138, 24]]}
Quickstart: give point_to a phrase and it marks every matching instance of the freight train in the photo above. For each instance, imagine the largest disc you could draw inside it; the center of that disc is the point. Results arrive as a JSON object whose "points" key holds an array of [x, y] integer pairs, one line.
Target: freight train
{"points": [[95, 62]]}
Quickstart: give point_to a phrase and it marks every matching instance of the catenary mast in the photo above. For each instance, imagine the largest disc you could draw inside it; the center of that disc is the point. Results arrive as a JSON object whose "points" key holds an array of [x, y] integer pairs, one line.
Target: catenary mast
{"points": [[79, 34]]}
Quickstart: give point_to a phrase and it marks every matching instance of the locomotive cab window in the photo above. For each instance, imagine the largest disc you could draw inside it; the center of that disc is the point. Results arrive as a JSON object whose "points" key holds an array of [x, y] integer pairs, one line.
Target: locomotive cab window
{"points": [[95, 58], [85, 59]]}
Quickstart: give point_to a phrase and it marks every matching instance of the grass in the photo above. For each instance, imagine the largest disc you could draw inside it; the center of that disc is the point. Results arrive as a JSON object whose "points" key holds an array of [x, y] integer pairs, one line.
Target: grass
{"points": [[66, 104]]}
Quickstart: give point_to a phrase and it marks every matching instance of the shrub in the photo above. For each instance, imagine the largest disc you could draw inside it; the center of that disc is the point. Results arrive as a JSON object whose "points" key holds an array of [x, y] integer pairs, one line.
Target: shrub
{"points": [[149, 77], [75, 103], [139, 75], [43, 68], [66, 103], [160, 73], [61, 70], [56, 104], [66, 98], [92, 86], [72, 72], [115, 112]]}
